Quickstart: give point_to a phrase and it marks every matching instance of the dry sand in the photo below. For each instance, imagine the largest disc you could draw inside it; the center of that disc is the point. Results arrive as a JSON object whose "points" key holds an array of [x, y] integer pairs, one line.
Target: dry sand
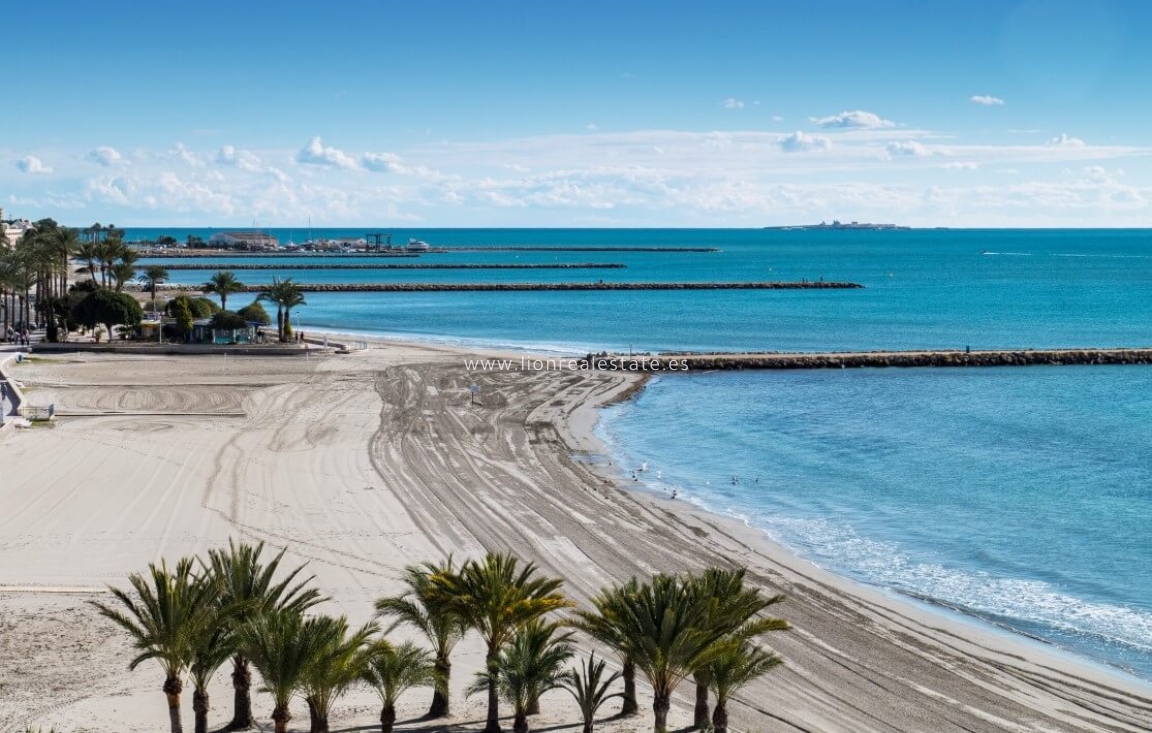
{"points": [[361, 464]]}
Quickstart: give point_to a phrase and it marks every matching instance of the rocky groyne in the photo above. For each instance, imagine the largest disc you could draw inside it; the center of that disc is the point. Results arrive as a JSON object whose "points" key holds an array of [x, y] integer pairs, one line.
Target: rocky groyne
{"points": [[392, 266], [499, 287], [688, 361], [528, 248]]}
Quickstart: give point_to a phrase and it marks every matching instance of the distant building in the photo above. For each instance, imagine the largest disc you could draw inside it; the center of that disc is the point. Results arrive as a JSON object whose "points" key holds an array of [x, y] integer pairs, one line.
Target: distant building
{"points": [[14, 229], [243, 240]]}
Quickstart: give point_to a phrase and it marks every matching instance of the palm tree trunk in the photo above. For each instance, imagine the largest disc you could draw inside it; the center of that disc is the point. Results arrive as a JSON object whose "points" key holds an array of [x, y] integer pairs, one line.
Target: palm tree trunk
{"points": [[701, 714], [280, 718], [440, 700], [720, 716], [520, 722], [661, 704], [242, 695], [313, 718], [172, 689], [630, 706], [387, 718], [200, 710], [534, 706], [587, 726], [493, 724]]}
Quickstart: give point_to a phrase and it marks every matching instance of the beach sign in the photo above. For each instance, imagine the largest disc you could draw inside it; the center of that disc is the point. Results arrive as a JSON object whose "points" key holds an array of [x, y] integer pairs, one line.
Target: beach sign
{"points": [[475, 390]]}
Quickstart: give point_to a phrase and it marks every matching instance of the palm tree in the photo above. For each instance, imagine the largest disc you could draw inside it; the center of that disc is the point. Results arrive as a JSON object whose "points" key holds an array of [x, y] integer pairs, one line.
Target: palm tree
{"points": [[247, 582], [733, 611], [497, 597], [121, 273], [286, 295], [336, 667], [391, 670], [662, 628], [733, 668], [590, 689], [223, 283], [210, 650], [527, 668], [152, 276], [90, 256], [440, 625], [283, 645], [603, 625], [167, 612]]}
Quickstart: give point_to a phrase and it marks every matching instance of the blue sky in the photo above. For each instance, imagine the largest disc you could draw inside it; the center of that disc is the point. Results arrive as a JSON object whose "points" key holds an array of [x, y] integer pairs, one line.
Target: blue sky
{"points": [[578, 113]]}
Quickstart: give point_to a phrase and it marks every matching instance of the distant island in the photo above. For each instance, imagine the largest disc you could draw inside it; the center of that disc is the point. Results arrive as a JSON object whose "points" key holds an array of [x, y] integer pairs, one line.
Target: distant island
{"points": [[837, 224]]}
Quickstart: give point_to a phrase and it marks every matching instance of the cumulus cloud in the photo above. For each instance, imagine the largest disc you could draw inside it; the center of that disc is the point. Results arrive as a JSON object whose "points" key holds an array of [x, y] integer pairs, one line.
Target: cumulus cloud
{"points": [[1063, 140], [591, 127], [382, 162], [104, 155], [316, 153], [908, 148], [856, 120], [987, 100], [732, 103], [245, 160], [960, 165], [777, 118], [32, 165], [798, 142]]}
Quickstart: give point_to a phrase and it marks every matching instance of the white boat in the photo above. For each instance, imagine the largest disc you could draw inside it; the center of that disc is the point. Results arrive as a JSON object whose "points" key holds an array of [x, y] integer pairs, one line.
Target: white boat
{"points": [[416, 245]]}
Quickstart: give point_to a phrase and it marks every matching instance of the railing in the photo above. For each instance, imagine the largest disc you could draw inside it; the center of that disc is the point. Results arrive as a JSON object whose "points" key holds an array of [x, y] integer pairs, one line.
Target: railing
{"points": [[37, 413]]}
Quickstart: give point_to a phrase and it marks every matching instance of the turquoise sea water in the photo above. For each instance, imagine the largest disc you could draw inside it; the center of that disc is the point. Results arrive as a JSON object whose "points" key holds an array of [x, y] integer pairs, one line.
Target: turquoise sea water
{"points": [[1023, 496]]}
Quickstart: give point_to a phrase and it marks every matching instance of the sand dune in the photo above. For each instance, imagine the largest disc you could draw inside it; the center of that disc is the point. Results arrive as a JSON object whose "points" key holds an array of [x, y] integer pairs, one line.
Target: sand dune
{"points": [[362, 464]]}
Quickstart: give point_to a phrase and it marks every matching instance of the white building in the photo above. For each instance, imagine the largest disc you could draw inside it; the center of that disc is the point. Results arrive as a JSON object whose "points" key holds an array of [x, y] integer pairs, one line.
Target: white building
{"points": [[243, 240], [14, 229]]}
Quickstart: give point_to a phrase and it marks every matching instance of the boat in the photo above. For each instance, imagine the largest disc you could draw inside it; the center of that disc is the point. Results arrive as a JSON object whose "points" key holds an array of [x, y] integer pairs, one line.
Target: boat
{"points": [[417, 245]]}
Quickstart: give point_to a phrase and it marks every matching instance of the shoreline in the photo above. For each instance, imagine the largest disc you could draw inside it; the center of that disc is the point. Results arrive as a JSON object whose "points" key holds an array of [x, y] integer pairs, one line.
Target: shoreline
{"points": [[441, 476]]}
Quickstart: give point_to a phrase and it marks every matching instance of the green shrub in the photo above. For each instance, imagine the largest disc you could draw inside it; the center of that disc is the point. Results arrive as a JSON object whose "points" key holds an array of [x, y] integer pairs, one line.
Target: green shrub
{"points": [[255, 313], [228, 320]]}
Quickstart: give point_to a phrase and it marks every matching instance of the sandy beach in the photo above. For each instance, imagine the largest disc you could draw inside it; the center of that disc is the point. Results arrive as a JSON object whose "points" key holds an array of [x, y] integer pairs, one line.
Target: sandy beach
{"points": [[363, 463]]}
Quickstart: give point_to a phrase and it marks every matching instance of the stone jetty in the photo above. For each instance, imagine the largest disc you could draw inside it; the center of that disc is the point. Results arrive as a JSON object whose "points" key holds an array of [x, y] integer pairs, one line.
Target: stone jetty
{"points": [[394, 266], [695, 362], [529, 248], [485, 287]]}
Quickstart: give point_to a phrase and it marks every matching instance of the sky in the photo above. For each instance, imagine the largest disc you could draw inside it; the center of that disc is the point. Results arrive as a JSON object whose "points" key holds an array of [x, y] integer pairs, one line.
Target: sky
{"points": [[574, 113]]}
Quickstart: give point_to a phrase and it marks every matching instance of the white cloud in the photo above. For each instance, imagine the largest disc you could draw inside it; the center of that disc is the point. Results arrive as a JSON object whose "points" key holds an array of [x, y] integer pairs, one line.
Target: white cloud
{"points": [[382, 162], [732, 103], [316, 153], [104, 156], [798, 142], [245, 160], [1064, 141], [857, 120], [907, 148], [777, 118], [591, 127], [987, 100], [960, 165], [32, 165]]}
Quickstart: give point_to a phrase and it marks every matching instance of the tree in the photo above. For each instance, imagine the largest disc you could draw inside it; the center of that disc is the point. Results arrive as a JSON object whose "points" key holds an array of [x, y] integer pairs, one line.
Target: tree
{"points": [[590, 688], [527, 668], [604, 625], [211, 648], [255, 313], [732, 610], [735, 666], [663, 631], [165, 614], [122, 273], [223, 283], [283, 645], [152, 276], [250, 584], [337, 665], [442, 626], [227, 320], [109, 308], [391, 670], [497, 597], [183, 315], [198, 307], [286, 295]]}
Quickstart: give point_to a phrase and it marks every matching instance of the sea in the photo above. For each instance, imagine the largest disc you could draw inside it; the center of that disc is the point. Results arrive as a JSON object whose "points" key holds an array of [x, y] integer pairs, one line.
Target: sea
{"points": [[1015, 497]]}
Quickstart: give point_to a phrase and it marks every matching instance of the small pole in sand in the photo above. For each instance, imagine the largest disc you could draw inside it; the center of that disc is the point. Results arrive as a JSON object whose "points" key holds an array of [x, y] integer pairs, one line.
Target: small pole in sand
{"points": [[475, 390]]}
